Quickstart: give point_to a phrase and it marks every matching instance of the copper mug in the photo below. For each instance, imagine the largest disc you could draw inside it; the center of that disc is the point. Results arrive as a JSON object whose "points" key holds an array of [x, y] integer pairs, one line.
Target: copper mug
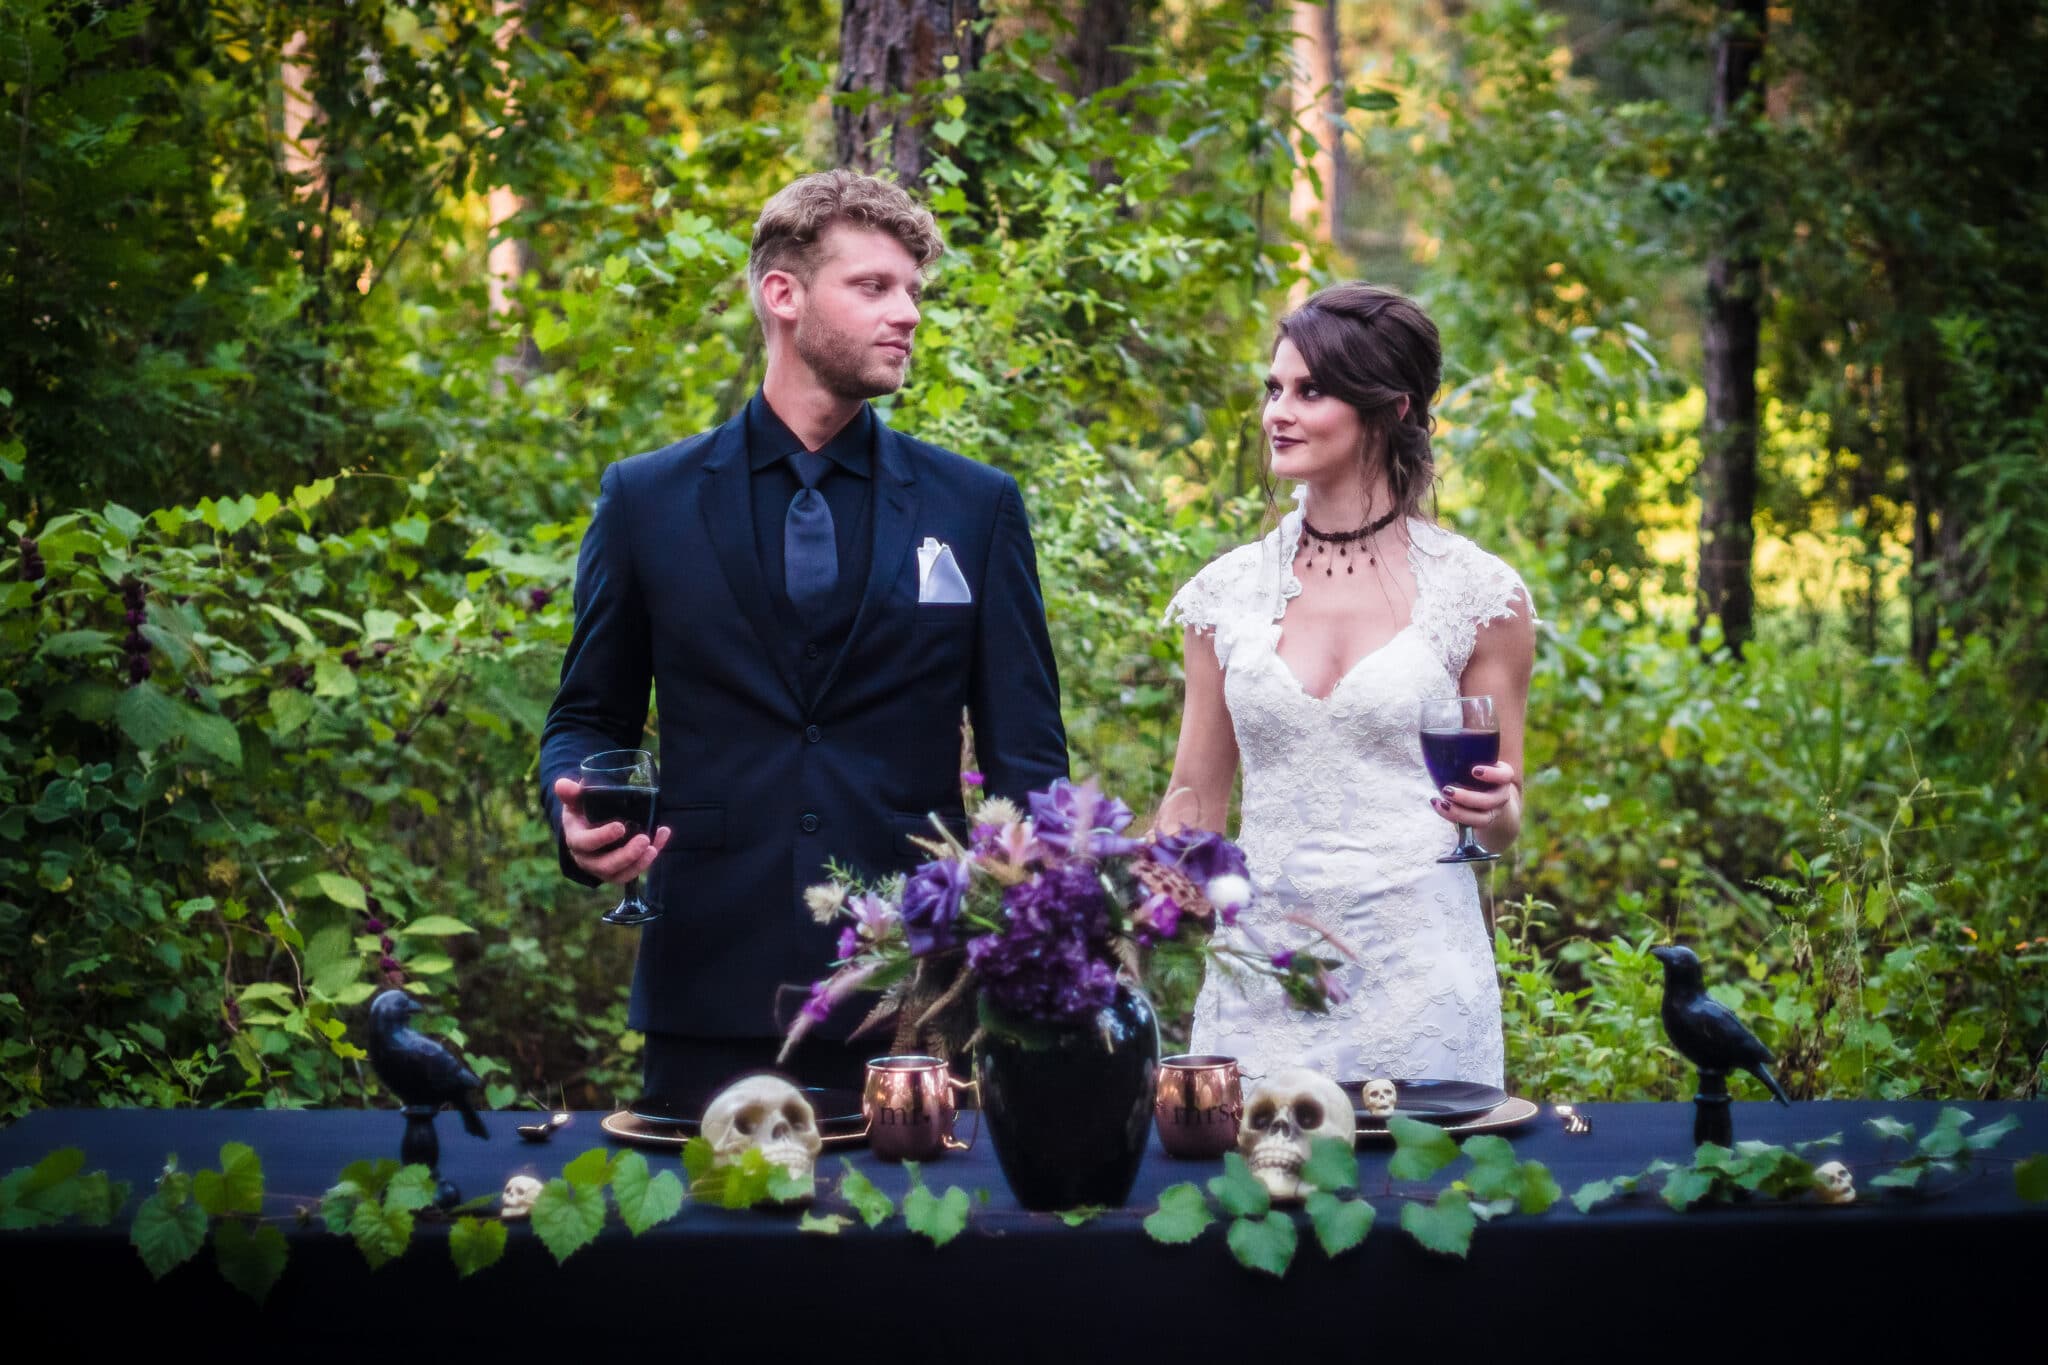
{"points": [[1198, 1105], [908, 1103]]}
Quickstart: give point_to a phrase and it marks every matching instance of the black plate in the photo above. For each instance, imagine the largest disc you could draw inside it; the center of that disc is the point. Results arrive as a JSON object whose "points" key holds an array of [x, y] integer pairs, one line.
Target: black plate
{"points": [[1433, 1101], [838, 1111]]}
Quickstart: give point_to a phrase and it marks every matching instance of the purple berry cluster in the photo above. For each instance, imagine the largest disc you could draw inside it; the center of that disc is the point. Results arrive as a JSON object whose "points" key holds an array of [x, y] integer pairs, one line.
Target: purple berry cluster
{"points": [[373, 923], [136, 643], [31, 569]]}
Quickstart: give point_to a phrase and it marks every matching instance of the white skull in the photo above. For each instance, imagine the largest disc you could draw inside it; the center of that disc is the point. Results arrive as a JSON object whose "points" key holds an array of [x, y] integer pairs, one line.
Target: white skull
{"points": [[1834, 1184], [1378, 1098], [1286, 1112], [768, 1113], [517, 1200]]}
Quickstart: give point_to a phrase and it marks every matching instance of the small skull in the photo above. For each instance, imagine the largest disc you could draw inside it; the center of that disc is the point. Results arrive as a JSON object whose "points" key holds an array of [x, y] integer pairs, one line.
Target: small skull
{"points": [[1378, 1098], [1285, 1114], [517, 1200], [768, 1113], [1834, 1184]]}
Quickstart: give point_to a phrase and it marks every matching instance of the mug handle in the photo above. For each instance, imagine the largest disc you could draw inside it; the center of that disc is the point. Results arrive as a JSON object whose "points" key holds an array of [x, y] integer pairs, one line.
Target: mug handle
{"points": [[954, 1144]]}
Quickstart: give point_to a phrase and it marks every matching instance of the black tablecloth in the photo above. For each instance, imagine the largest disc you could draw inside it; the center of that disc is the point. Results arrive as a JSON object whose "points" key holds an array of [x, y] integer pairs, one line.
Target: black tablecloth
{"points": [[1887, 1272]]}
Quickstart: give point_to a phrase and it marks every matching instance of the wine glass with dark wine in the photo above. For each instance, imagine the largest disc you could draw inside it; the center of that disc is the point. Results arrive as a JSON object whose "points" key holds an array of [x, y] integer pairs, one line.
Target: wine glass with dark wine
{"points": [[1458, 734], [619, 786]]}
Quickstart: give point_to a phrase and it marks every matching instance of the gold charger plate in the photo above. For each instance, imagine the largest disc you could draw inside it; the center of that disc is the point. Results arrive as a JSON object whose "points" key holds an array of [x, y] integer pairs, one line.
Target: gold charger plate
{"points": [[622, 1125], [1512, 1112]]}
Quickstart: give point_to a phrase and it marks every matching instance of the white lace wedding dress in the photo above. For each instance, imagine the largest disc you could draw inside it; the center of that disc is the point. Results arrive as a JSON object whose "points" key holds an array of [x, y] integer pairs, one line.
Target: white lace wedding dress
{"points": [[1337, 824]]}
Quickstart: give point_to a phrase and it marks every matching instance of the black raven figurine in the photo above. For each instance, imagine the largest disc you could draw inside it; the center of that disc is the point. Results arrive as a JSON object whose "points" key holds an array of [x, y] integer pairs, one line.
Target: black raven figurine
{"points": [[1705, 1031], [416, 1068]]}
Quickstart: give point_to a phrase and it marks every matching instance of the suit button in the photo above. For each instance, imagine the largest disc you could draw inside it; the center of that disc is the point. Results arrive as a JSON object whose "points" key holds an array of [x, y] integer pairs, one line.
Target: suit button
{"points": [[810, 824], [813, 733], [810, 651]]}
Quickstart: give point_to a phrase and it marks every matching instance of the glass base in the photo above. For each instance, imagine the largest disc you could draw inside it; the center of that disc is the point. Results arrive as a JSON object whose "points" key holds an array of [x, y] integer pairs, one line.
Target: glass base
{"points": [[632, 910], [1468, 850]]}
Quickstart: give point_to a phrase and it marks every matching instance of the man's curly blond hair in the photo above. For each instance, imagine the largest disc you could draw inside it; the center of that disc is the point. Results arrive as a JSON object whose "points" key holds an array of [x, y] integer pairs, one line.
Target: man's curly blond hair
{"points": [[786, 235]]}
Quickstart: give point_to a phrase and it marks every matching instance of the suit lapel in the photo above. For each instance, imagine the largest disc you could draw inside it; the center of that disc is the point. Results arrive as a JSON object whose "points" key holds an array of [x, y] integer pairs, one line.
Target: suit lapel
{"points": [[895, 511], [727, 509]]}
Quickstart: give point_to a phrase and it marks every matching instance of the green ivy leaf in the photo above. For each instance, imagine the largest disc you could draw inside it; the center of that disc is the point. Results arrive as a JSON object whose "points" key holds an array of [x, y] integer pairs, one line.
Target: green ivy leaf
{"points": [[1686, 1186], [410, 1188], [1182, 1215], [824, 1224], [1888, 1127], [568, 1217], [1903, 1177], [1082, 1216], [99, 1199], [1332, 1166], [1493, 1173], [1984, 1139], [1238, 1191], [939, 1218], [1340, 1224], [1265, 1244], [476, 1244], [1444, 1227], [592, 1170], [237, 1187], [43, 1194], [1945, 1139], [1594, 1192], [785, 1187], [1420, 1149], [250, 1257], [380, 1233], [645, 1199], [2030, 1178], [869, 1202], [169, 1228], [1539, 1188]]}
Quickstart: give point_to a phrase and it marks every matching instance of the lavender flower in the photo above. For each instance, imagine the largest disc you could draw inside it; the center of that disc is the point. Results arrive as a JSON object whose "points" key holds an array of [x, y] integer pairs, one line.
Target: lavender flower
{"points": [[1202, 854], [931, 903], [1076, 820]]}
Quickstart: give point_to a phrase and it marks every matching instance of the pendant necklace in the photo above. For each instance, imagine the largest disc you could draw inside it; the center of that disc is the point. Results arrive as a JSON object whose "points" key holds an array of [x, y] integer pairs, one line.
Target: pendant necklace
{"points": [[1323, 542]]}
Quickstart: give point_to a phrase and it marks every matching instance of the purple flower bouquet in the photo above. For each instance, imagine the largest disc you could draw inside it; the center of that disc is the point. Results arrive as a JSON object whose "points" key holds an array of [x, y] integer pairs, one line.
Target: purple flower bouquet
{"points": [[1043, 913]]}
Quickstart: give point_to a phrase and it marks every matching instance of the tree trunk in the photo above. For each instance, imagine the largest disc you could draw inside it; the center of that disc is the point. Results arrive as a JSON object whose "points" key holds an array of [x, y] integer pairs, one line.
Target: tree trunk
{"points": [[1101, 27], [1728, 438], [1315, 60], [511, 257], [887, 48]]}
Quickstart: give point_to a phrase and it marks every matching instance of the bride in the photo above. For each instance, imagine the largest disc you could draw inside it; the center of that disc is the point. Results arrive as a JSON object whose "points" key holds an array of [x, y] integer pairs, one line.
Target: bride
{"points": [[1308, 655]]}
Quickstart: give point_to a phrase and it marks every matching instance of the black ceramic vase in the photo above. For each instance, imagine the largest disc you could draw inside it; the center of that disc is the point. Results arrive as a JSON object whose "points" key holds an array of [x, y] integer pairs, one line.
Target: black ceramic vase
{"points": [[1069, 1106]]}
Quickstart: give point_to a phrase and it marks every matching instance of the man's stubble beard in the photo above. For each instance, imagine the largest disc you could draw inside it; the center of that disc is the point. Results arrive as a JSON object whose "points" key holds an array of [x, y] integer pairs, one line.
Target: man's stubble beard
{"points": [[837, 357]]}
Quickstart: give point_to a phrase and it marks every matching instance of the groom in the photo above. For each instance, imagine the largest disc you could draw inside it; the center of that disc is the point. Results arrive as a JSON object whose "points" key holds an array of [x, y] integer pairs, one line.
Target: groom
{"points": [[814, 599]]}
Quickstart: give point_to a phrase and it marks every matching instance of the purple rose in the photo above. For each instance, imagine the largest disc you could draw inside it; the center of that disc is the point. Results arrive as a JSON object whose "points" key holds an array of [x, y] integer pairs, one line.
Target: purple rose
{"points": [[1202, 854], [1077, 820], [931, 902]]}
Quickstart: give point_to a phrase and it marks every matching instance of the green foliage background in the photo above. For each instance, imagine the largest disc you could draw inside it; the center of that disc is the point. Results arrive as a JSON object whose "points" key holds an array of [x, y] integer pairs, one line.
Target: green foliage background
{"points": [[275, 407]]}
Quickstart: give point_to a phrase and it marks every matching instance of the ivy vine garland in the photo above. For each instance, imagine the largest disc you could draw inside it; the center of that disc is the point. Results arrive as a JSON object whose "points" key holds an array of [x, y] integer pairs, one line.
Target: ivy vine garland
{"points": [[377, 1203]]}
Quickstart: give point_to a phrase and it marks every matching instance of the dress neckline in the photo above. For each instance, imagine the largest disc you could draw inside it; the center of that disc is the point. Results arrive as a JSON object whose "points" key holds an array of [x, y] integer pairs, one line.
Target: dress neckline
{"points": [[1290, 588]]}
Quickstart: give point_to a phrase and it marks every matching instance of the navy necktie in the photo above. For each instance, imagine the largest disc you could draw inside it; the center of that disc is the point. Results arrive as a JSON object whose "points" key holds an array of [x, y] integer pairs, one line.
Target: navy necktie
{"points": [[810, 553]]}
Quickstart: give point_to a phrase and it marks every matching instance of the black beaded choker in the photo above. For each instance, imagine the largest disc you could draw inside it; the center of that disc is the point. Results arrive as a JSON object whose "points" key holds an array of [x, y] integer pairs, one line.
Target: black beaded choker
{"points": [[1342, 541]]}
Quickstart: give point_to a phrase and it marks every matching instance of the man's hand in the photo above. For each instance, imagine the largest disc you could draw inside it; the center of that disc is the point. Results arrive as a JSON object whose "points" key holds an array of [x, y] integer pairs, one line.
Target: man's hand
{"points": [[593, 848]]}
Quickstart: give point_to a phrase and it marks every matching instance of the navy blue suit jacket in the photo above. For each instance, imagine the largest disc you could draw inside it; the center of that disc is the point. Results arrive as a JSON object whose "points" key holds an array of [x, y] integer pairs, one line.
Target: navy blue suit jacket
{"points": [[760, 785]]}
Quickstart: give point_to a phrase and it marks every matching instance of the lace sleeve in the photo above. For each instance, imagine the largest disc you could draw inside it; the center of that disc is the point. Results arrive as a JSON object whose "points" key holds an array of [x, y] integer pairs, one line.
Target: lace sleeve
{"points": [[1216, 600], [1473, 589]]}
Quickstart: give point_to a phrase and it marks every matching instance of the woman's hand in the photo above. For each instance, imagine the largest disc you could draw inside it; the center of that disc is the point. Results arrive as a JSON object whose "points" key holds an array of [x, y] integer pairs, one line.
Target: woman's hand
{"points": [[1494, 811]]}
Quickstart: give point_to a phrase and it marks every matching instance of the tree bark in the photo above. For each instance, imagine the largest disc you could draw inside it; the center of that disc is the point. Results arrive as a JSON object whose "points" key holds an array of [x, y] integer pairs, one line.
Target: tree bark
{"points": [[1100, 28], [1728, 437], [887, 48]]}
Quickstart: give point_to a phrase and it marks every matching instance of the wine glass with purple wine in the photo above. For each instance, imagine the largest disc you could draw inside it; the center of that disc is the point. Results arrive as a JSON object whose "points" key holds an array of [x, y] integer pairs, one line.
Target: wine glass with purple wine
{"points": [[1458, 734], [619, 786]]}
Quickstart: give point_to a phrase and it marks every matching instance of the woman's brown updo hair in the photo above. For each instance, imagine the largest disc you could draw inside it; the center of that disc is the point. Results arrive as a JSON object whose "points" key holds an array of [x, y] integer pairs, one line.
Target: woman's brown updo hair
{"points": [[1372, 347]]}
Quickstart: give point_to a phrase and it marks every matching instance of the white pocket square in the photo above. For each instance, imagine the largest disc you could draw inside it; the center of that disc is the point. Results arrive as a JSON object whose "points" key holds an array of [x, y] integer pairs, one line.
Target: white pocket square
{"points": [[938, 576]]}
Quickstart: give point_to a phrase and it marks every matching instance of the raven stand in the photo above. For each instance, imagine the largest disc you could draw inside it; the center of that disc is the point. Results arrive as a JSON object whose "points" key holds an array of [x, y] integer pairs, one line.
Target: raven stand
{"points": [[1710, 1118], [420, 1147]]}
